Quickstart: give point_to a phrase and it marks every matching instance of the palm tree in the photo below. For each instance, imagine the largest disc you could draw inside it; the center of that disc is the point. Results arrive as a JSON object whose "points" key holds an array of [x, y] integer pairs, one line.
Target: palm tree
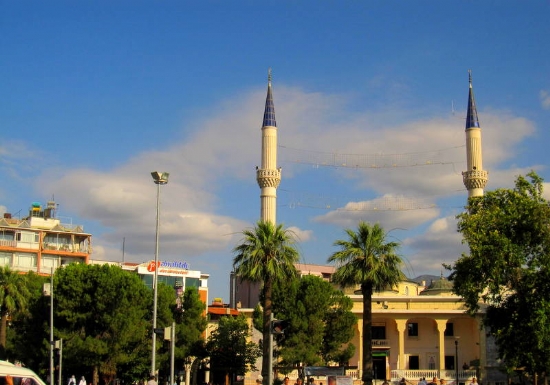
{"points": [[266, 254], [366, 259], [14, 296]]}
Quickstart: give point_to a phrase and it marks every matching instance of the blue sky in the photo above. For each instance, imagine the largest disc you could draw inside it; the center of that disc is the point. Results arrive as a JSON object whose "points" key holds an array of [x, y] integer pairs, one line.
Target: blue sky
{"points": [[96, 95]]}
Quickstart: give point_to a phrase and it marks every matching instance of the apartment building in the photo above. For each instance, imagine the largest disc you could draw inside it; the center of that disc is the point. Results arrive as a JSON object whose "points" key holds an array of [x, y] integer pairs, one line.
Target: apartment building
{"points": [[41, 242]]}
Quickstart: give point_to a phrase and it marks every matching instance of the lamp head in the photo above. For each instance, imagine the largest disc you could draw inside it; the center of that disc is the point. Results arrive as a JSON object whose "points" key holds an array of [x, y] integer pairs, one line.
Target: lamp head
{"points": [[160, 177]]}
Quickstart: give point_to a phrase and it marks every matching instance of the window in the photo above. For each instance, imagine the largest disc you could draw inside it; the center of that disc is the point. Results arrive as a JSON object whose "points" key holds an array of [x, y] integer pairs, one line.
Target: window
{"points": [[414, 363], [48, 262], [29, 237], [5, 259], [379, 332], [449, 362], [7, 236], [412, 329], [449, 330], [17, 379], [431, 362], [25, 260]]}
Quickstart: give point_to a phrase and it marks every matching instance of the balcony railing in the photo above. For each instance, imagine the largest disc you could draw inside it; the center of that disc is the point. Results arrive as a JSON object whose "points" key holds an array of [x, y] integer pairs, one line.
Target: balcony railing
{"points": [[77, 248], [413, 376], [380, 343]]}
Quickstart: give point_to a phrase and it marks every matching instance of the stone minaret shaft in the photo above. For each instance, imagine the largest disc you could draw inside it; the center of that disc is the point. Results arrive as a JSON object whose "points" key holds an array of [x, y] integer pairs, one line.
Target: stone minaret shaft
{"points": [[268, 175], [475, 178]]}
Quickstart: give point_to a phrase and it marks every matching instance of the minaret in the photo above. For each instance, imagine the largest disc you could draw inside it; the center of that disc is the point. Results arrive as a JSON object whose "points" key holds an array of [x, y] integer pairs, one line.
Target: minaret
{"points": [[268, 175], [475, 178]]}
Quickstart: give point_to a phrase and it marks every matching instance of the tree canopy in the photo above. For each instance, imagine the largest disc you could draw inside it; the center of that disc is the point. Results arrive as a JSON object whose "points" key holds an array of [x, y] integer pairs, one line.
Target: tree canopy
{"points": [[320, 322], [190, 326], [229, 348], [266, 254], [367, 259], [103, 316], [507, 270], [14, 296]]}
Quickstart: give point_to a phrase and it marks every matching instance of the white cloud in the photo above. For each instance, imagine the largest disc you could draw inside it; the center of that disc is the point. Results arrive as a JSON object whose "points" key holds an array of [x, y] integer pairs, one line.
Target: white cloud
{"points": [[389, 211], [301, 235], [544, 99], [441, 243], [212, 194]]}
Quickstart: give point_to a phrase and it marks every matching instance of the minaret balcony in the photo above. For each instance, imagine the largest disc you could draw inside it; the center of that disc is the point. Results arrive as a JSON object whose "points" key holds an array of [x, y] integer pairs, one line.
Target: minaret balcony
{"points": [[474, 178], [268, 177]]}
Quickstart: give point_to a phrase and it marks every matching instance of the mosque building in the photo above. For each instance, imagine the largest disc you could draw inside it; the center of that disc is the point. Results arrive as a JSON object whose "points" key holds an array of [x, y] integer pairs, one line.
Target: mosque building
{"points": [[420, 329]]}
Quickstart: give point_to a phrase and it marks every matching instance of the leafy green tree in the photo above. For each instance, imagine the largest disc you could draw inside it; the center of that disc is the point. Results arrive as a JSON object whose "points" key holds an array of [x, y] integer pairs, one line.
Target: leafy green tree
{"points": [[267, 253], [317, 313], [257, 317], [32, 328], [339, 330], [103, 315], [190, 324], [230, 351], [508, 270], [367, 259], [14, 296]]}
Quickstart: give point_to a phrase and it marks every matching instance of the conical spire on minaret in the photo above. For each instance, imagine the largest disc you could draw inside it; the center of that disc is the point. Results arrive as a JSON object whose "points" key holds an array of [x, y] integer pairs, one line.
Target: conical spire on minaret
{"points": [[268, 175], [269, 112], [471, 116], [475, 178]]}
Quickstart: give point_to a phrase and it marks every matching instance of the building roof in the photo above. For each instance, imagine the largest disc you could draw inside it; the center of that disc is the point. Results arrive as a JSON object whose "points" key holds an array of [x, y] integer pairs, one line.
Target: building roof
{"points": [[438, 287], [218, 310]]}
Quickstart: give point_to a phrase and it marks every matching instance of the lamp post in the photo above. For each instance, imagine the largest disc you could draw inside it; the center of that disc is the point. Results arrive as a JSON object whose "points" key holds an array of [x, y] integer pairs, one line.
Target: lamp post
{"points": [[160, 178], [48, 291], [456, 360]]}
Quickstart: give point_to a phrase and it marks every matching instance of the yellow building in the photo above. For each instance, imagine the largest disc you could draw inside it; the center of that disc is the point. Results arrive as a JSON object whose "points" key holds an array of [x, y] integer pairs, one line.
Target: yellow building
{"points": [[420, 329]]}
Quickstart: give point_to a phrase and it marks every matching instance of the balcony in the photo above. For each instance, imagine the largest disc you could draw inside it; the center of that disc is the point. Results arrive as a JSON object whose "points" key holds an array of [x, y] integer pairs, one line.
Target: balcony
{"points": [[8, 243], [76, 248], [380, 344]]}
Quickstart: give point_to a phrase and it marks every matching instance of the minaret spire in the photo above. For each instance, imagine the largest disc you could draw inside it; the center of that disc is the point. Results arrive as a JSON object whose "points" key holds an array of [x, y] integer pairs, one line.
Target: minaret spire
{"points": [[268, 175], [471, 116], [269, 112], [475, 178]]}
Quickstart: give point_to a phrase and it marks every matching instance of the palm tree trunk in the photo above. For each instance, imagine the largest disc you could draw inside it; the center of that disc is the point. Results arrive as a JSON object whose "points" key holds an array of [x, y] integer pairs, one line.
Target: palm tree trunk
{"points": [[266, 331], [95, 375], [3, 334], [367, 364]]}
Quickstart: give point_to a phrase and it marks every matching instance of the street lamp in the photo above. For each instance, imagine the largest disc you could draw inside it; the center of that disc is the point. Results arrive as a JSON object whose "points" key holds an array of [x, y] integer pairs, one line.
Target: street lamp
{"points": [[456, 360], [160, 178], [48, 291]]}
